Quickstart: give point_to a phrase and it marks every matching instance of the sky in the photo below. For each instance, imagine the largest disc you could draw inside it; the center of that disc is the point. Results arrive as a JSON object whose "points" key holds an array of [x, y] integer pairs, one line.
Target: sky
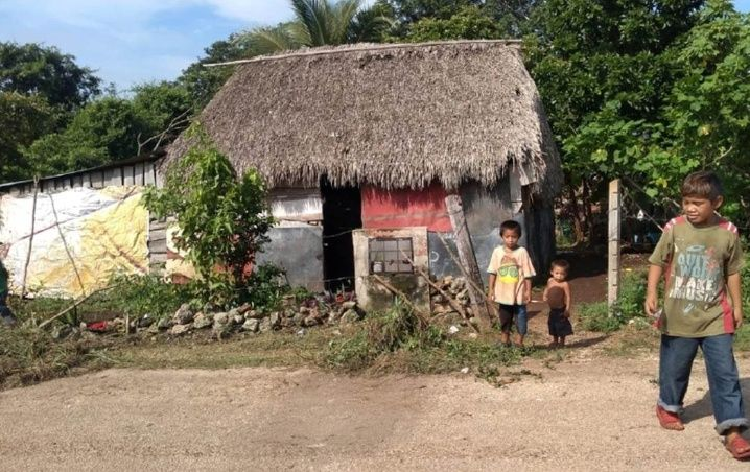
{"points": [[129, 42]]}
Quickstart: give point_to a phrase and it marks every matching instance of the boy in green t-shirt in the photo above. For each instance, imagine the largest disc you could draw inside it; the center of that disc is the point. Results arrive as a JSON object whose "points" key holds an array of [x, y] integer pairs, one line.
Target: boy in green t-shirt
{"points": [[700, 256], [6, 316]]}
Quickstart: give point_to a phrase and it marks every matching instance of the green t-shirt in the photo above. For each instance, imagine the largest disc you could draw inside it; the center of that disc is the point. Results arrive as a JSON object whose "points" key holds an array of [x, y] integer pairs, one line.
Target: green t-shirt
{"points": [[3, 278], [696, 264]]}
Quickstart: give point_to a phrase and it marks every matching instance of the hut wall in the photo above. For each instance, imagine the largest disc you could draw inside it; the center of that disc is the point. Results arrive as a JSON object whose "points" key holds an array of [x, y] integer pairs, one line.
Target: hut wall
{"points": [[296, 242], [371, 295], [484, 209], [405, 208]]}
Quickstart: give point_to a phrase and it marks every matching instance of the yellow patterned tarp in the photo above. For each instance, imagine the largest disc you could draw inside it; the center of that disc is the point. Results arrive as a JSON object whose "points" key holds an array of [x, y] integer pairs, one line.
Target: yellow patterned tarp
{"points": [[82, 236]]}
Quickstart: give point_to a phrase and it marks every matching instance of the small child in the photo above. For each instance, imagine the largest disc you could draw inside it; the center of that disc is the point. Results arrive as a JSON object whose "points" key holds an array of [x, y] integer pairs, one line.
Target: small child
{"points": [[511, 272], [6, 316], [700, 255], [557, 296]]}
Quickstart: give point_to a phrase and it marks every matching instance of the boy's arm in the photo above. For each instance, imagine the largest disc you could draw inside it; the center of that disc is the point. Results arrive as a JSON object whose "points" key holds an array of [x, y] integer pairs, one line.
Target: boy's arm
{"points": [[527, 290], [491, 289], [544, 294], [652, 300], [566, 289], [734, 285]]}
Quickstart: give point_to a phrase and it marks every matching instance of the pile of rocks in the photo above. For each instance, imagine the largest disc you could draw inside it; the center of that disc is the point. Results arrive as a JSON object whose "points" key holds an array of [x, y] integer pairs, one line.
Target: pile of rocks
{"points": [[455, 288], [245, 319]]}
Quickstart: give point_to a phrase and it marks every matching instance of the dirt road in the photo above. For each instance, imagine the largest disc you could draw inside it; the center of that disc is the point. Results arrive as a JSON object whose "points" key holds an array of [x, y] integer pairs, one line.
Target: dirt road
{"points": [[588, 413]]}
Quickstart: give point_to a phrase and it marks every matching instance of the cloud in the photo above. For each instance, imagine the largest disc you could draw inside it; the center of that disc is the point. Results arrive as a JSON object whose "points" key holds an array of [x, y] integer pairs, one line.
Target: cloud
{"points": [[131, 41], [267, 12]]}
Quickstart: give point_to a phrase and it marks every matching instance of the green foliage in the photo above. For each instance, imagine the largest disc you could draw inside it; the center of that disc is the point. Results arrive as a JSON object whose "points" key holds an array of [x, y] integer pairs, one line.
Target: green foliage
{"points": [[647, 94], [30, 355], [266, 287], [32, 69], [223, 219], [138, 295], [104, 131], [629, 306], [468, 23], [201, 83], [596, 317], [164, 107], [321, 23], [23, 119], [395, 341]]}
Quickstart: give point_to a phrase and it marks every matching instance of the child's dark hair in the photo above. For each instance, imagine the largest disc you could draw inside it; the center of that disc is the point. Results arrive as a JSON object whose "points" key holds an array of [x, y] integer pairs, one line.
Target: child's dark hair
{"points": [[510, 225], [561, 263], [703, 184]]}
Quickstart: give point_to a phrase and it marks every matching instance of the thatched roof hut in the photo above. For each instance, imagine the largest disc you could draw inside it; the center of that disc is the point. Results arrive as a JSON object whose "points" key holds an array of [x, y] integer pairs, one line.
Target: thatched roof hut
{"points": [[394, 116]]}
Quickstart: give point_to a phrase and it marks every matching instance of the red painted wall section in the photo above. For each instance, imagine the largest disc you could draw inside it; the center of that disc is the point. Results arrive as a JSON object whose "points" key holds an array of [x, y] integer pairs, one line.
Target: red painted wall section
{"points": [[405, 208]]}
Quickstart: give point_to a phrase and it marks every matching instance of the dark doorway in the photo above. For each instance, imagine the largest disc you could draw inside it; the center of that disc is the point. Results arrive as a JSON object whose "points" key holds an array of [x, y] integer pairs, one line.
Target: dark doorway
{"points": [[341, 215]]}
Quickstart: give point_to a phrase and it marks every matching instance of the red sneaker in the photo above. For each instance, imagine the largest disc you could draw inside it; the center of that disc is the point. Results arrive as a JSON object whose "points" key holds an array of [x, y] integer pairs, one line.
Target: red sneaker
{"points": [[669, 419]]}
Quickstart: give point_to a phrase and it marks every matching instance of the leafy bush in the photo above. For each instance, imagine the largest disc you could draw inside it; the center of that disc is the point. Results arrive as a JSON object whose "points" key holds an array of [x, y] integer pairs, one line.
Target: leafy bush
{"points": [[632, 295], [138, 295], [596, 317], [223, 217]]}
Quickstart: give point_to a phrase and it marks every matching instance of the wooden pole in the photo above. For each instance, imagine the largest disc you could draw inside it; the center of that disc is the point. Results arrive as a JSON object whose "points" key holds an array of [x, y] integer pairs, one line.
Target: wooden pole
{"points": [[613, 265], [466, 253], [31, 236]]}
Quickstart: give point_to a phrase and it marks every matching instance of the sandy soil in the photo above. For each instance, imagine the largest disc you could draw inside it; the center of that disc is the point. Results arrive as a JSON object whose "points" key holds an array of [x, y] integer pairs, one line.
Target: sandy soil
{"points": [[588, 413]]}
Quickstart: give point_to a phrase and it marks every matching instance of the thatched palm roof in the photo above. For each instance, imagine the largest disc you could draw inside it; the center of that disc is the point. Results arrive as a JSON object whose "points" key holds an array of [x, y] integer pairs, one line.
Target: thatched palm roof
{"points": [[391, 115]]}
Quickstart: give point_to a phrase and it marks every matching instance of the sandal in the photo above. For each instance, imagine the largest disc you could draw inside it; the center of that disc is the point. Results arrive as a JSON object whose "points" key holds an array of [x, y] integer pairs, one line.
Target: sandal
{"points": [[738, 447], [669, 419]]}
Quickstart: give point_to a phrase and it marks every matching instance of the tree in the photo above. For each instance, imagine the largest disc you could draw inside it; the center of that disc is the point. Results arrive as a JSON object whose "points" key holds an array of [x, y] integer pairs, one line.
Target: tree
{"points": [[320, 23], [104, 131], [23, 119], [33, 69], [223, 218], [460, 19], [165, 107], [203, 82], [604, 69], [468, 23]]}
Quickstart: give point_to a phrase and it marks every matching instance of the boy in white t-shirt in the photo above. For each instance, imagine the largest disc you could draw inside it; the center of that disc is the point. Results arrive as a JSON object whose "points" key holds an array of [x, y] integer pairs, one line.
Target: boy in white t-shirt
{"points": [[511, 272]]}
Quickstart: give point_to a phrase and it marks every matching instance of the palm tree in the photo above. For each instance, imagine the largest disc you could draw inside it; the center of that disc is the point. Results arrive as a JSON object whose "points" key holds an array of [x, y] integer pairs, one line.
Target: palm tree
{"points": [[319, 23]]}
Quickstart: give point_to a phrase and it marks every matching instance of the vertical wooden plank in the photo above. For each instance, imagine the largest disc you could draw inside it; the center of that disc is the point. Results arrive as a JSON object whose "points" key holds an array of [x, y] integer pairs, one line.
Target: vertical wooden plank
{"points": [[149, 177], [613, 265], [139, 175], [469, 265]]}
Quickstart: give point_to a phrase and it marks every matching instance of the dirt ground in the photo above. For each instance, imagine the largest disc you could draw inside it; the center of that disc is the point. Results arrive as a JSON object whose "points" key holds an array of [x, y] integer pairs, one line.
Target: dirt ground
{"points": [[591, 411], [588, 413]]}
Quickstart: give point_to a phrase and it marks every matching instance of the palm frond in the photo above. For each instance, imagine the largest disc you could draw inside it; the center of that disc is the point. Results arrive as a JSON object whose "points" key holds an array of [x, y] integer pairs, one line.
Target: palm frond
{"points": [[270, 39]]}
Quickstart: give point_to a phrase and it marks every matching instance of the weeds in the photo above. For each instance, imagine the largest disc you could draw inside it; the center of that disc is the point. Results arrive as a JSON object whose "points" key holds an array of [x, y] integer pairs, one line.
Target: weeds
{"points": [[394, 342], [629, 306], [30, 355]]}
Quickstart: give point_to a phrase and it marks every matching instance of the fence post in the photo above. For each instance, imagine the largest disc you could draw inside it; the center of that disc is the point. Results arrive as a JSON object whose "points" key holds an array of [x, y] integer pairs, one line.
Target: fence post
{"points": [[613, 237]]}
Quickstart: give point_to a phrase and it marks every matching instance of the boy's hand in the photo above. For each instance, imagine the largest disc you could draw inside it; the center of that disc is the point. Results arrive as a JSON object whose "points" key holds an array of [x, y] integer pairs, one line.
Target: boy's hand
{"points": [[491, 296], [566, 314], [652, 304], [738, 317], [526, 297]]}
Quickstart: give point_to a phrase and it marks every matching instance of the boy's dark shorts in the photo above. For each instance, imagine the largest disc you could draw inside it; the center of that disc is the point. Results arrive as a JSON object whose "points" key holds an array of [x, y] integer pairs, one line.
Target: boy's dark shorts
{"points": [[558, 324], [507, 313]]}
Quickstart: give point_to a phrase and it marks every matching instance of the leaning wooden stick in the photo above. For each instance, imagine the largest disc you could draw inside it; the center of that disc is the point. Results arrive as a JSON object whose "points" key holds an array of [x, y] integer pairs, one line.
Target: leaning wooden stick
{"points": [[74, 305], [454, 304], [423, 318]]}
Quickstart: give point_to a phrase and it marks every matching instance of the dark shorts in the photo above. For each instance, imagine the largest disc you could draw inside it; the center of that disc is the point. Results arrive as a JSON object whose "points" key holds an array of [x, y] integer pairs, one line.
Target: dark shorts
{"points": [[558, 324], [507, 313]]}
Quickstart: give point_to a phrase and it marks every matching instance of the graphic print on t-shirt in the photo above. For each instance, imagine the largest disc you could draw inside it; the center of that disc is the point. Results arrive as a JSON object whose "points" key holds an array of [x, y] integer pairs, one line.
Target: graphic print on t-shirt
{"points": [[507, 273], [697, 274]]}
